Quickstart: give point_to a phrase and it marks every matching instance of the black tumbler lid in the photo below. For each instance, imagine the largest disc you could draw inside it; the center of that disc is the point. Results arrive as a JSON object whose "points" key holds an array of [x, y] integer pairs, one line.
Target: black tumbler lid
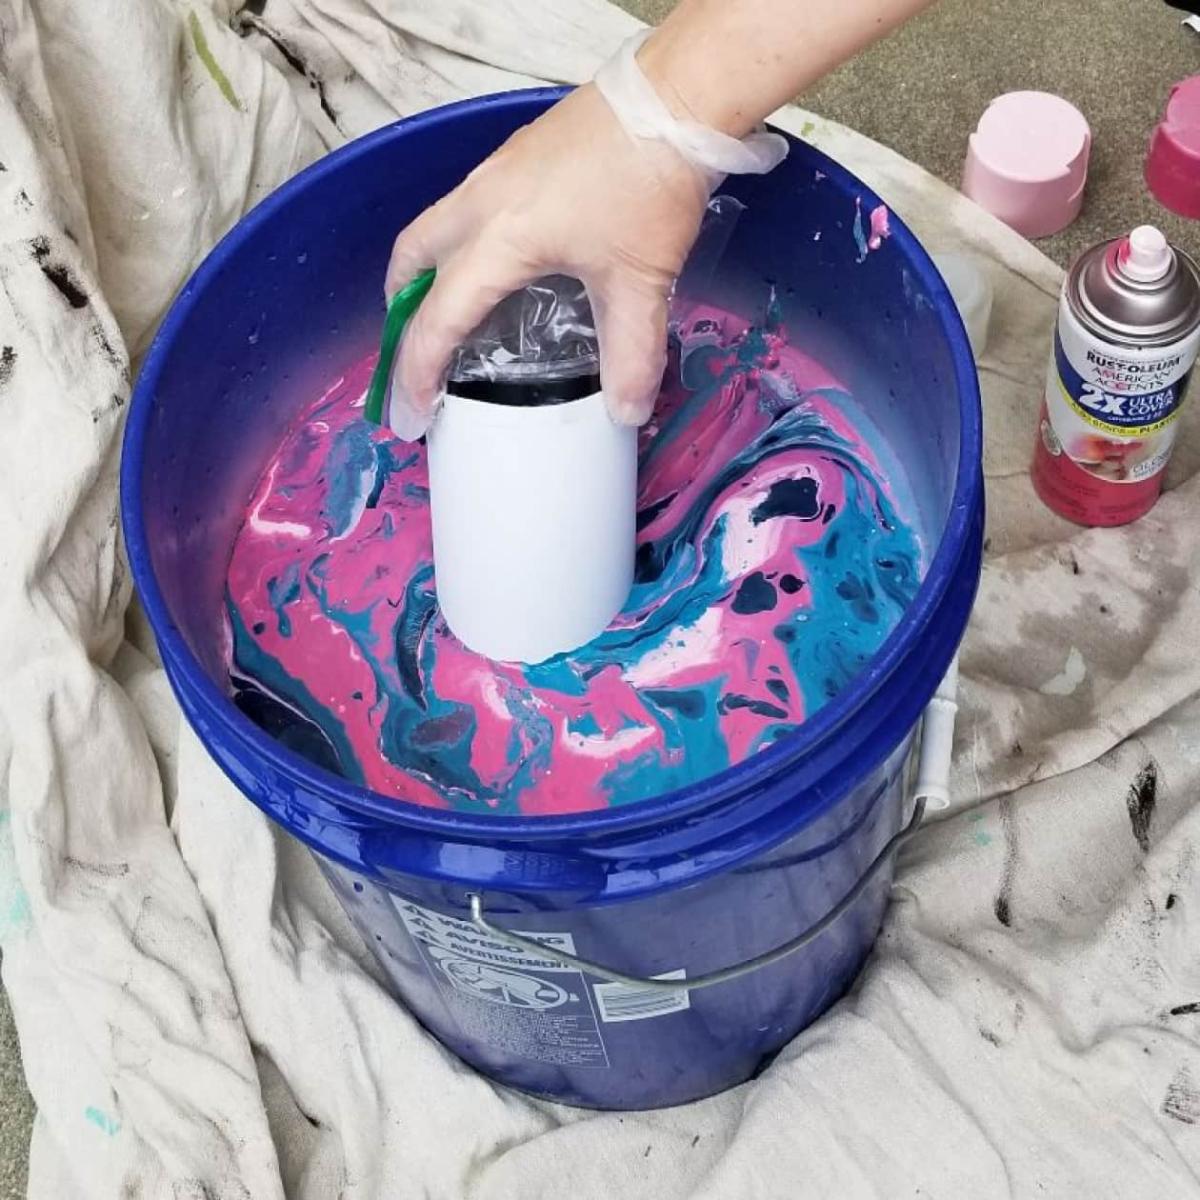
{"points": [[537, 346], [520, 393]]}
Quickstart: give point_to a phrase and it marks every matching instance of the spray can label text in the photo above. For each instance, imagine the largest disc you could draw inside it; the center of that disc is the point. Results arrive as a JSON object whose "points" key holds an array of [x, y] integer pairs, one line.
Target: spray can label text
{"points": [[1112, 414]]}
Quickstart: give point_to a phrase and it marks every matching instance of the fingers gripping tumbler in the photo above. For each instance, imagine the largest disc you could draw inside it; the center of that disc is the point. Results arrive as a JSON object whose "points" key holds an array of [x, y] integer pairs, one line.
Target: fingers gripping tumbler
{"points": [[532, 485]]}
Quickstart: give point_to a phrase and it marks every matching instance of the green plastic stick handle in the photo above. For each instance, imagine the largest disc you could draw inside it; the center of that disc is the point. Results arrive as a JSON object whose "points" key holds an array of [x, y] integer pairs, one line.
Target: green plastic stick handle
{"points": [[402, 306]]}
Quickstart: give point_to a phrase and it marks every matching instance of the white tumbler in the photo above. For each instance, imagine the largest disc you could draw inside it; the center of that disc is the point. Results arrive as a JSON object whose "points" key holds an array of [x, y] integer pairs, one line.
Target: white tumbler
{"points": [[533, 497]]}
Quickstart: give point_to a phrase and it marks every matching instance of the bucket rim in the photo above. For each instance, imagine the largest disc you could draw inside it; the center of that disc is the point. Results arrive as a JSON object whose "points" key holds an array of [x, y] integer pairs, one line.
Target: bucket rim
{"points": [[828, 722]]}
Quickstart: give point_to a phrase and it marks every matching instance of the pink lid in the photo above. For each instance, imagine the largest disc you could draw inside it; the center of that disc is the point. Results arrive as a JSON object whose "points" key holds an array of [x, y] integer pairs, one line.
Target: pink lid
{"points": [[1173, 164], [1027, 162]]}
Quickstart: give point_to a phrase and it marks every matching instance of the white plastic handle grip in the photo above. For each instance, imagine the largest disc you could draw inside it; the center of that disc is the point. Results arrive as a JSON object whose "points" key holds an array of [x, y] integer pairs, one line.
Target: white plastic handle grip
{"points": [[937, 743]]}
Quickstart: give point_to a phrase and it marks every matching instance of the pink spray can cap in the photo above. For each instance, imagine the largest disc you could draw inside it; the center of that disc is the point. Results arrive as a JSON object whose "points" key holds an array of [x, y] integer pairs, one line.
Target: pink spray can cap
{"points": [[1027, 162], [1173, 163]]}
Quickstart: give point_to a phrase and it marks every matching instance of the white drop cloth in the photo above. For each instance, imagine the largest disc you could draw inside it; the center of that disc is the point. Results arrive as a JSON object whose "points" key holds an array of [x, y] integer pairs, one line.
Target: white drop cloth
{"points": [[197, 1018]]}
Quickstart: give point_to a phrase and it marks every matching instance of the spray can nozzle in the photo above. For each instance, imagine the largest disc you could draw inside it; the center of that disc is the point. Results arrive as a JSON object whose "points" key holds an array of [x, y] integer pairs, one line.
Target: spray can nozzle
{"points": [[1145, 256]]}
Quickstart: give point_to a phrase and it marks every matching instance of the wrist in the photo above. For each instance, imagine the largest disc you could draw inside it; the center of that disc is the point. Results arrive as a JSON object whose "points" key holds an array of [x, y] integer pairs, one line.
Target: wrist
{"points": [[692, 82], [691, 130]]}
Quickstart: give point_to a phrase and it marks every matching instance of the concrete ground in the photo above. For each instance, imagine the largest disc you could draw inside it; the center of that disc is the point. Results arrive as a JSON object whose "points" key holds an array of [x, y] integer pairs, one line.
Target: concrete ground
{"points": [[921, 93], [16, 1110]]}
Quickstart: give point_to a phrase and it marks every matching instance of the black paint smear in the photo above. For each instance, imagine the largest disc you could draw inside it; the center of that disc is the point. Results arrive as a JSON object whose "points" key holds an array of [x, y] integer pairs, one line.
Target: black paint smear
{"points": [[789, 498], [760, 708], [57, 274], [1186, 1010], [1003, 903], [420, 604], [756, 595], [259, 628], [859, 594], [648, 563], [831, 544], [1182, 1101], [989, 1036], [251, 19], [381, 475], [778, 689], [646, 515], [897, 579], [791, 584], [785, 633], [447, 729], [687, 702], [319, 86], [287, 726], [106, 348], [830, 512], [1142, 797], [8, 360], [1171, 900], [113, 870]]}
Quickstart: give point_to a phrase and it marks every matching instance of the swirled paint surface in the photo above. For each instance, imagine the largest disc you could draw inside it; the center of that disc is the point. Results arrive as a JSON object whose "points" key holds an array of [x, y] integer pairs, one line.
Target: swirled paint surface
{"points": [[772, 563]]}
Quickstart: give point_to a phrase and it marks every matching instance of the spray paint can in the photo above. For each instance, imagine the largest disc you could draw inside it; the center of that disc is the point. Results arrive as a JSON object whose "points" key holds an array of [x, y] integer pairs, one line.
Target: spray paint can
{"points": [[1127, 338]]}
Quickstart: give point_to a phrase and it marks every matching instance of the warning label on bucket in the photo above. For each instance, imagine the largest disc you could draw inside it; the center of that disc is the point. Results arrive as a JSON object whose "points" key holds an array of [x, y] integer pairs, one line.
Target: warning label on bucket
{"points": [[517, 1001], [628, 1002]]}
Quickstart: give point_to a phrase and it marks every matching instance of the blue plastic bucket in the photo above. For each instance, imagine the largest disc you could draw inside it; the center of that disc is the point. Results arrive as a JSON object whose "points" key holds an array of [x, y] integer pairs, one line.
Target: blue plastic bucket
{"points": [[683, 885]]}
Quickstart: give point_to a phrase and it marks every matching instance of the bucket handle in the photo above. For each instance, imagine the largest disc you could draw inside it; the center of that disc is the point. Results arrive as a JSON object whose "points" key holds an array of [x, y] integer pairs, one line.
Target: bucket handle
{"points": [[725, 974], [932, 791]]}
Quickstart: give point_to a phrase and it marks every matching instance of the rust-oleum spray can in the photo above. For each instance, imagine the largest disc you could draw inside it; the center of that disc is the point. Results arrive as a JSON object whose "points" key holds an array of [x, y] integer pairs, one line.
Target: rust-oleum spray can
{"points": [[1127, 338]]}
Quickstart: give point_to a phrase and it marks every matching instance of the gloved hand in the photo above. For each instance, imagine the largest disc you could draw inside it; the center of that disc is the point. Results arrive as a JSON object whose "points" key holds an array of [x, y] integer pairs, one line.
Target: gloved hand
{"points": [[572, 193], [615, 201]]}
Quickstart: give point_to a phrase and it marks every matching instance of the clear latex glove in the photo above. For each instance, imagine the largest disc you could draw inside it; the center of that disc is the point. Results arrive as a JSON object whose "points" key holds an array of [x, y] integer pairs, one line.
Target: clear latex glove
{"points": [[607, 187], [644, 114]]}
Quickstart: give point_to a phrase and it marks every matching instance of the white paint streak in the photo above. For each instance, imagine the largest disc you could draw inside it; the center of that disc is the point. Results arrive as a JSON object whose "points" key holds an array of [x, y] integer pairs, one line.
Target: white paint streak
{"points": [[697, 645], [260, 525], [1067, 681], [746, 546], [605, 745], [489, 692]]}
